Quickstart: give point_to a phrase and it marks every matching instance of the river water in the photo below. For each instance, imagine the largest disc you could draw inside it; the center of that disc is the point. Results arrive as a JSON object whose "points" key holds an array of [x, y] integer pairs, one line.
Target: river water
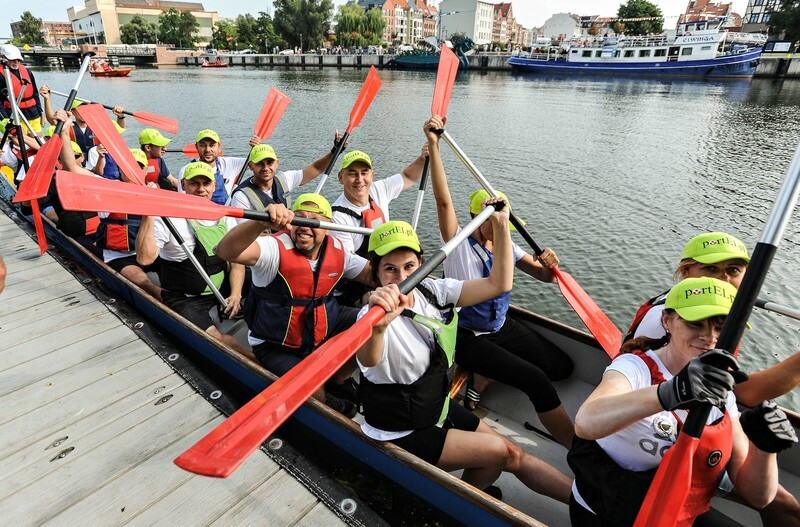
{"points": [[614, 174]]}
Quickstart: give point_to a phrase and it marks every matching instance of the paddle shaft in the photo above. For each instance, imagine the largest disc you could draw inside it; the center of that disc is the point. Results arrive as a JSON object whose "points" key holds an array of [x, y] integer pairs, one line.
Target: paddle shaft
{"points": [[421, 193], [106, 106], [297, 221], [334, 156], [778, 308], [73, 94]]}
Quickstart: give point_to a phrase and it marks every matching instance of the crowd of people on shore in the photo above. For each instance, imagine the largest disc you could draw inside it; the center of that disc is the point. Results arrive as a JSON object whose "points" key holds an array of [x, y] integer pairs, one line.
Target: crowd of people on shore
{"points": [[298, 286]]}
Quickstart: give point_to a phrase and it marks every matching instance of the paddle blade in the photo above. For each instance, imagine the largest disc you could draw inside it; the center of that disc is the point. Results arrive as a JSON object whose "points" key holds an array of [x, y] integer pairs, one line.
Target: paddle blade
{"points": [[37, 180], [271, 113], [39, 225], [167, 124], [190, 150], [86, 193], [102, 126], [607, 334], [365, 97], [226, 447], [670, 487], [445, 78]]}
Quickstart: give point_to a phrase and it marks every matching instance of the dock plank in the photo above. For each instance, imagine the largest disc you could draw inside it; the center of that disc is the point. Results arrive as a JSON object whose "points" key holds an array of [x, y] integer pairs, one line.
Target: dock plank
{"points": [[83, 300], [319, 516], [67, 318], [31, 293]]}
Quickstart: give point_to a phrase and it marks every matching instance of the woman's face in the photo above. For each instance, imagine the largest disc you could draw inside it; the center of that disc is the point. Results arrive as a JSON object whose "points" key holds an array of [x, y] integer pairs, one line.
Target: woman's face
{"points": [[692, 339], [396, 266], [731, 271]]}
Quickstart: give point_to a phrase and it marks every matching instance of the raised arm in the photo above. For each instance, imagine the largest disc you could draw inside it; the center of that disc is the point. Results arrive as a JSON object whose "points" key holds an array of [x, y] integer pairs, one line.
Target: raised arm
{"points": [[448, 221], [541, 267], [49, 114], [239, 244], [413, 172], [147, 249], [67, 155]]}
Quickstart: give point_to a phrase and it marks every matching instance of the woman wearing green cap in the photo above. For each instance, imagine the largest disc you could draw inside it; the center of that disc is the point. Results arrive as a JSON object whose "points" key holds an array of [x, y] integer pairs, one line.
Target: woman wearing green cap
{"points": [[405, 364], [634, 415], [492, 345]]}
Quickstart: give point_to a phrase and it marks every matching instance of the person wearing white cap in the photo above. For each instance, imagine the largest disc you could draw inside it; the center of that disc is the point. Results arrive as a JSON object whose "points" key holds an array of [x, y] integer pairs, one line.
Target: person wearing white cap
{"points": [[24, 82]]}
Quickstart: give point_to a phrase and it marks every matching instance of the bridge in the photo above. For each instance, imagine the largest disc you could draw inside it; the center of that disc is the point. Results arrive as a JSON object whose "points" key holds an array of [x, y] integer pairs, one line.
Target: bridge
{"points": [[71, 55]]}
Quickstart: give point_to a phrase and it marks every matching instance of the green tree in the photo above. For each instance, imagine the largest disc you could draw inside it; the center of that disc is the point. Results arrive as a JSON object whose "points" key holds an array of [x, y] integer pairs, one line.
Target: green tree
{"points": [[265, 31], [247, 28], [177, 28], [223, 34], [303, 22], [787, 20], [355, 27], [375, 24], [138, 31], [31, 29], [641, 9]]}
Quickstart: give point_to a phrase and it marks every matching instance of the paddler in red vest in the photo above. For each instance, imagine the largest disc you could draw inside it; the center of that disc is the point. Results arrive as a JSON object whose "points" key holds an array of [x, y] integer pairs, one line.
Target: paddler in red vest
{"points": [[291, 309], [24, 82], [184, 289], [633, 417], [154, 145], [723, 256]]}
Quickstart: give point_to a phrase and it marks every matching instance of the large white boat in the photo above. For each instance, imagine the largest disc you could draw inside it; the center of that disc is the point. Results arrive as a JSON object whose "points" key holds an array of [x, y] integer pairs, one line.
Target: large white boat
{"points": [[698, 49]]}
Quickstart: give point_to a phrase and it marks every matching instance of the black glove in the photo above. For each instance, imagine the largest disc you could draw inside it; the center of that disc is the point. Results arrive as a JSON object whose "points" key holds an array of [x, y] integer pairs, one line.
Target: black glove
{"points": [[768, 427], [705, 379]]}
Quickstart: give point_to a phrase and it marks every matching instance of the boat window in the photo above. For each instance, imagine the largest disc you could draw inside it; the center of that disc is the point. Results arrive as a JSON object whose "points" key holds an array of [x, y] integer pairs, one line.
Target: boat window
{"points": [[661, 52], [574, 50], [705, 48], [644, 53], [587, 53], [628, 52], [616, 53], [598, 53], [686, 51]]}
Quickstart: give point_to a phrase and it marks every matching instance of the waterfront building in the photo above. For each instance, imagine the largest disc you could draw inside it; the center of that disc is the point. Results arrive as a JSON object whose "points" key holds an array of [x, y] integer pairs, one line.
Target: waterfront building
{"points": [[562, 26], [101, 19], [708, 10], [473, 18], [757, 15], [407, 21], [53, 32]]}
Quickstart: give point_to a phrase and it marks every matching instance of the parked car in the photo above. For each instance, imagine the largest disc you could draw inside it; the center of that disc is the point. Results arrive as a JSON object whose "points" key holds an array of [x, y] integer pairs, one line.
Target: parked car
{"points": [[286, 52], [248, 51], [211, 51]]}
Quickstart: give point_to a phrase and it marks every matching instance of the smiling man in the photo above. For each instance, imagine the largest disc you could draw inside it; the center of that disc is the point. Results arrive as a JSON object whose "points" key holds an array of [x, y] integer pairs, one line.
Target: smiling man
{"points": [[291, 310]]}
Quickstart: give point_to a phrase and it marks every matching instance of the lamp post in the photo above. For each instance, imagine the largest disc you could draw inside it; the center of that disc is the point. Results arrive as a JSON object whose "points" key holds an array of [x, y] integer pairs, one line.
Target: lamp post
{"points": [[301, 43]]}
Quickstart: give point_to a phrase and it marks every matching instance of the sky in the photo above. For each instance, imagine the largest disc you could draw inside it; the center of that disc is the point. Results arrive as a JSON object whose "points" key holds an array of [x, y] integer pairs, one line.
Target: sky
{"points": [[529, 13]]}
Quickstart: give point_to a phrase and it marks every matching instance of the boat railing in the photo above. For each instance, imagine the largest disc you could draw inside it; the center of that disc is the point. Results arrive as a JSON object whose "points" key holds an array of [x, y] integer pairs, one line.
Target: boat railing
{"points": [[621, 42], [747, 38]]}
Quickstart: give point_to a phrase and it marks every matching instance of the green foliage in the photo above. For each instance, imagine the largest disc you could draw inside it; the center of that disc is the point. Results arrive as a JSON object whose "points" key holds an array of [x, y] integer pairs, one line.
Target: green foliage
{"points": [[246, 32], [138, 31], [303, 22], [177, 28], [31, 29], [787, 20], [223, 35], [355, 27], [641, 9]]}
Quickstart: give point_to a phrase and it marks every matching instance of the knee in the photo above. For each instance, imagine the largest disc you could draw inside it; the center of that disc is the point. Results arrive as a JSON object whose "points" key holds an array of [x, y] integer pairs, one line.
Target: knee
{"points": [[512, 458], [561, 370]]}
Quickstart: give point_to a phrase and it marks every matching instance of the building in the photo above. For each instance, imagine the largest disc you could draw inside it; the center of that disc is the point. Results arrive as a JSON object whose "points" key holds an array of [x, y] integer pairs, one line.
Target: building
{"points": [[101, 19], [473, 18], [704, 10], [562, 26], [407, 21], [53, 32], [757, 15]]}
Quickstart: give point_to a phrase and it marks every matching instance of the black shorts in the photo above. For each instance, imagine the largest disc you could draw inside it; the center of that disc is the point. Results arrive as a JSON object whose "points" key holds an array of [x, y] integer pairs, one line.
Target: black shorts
{"points": [[195, 309], [428, 443], [118, 264]]}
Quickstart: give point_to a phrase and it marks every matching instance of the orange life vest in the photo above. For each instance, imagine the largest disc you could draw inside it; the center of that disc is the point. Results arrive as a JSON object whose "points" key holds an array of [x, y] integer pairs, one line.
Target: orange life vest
{"points": [[24, 84]]}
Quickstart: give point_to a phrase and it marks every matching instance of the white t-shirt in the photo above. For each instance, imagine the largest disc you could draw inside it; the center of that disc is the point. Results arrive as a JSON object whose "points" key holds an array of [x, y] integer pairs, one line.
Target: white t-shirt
{"points": [[266, 268], [464, 263], [229, 167], [407, 345], [289, 181], [642, 445], [170, 248], [92, 157], [382, 193]]}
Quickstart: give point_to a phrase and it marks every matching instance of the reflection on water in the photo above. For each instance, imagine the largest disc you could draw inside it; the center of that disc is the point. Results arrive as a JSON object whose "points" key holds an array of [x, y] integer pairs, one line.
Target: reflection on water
{"points": [[614, 174]]}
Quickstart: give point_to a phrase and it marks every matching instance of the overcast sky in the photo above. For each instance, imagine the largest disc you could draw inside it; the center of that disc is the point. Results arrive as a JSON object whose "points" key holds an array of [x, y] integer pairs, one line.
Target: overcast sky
{"points": [[529, 13]]}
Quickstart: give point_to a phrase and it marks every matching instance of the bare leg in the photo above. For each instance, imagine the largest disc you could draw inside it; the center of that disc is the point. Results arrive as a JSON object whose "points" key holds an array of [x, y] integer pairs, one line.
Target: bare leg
{"points": [[479, 384], [783, 510], [231, 342], [137, 275], [559, 424]]}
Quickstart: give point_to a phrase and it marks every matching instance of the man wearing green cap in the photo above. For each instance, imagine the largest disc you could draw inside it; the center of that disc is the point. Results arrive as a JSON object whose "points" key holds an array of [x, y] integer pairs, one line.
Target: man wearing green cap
{"points": [[184, 289], [154, 145], [269, 185], [291, 309]]}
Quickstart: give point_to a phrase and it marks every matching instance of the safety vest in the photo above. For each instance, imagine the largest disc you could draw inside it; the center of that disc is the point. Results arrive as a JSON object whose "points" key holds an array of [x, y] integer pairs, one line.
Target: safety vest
{"points": [[370, 218], [117, 232], [659, 300], [489, 315], [258, 197], [21, 84], [152, 171], [297, 309], [111, 169], [70, 222], [84, 138], [182, 277], [616, 494], [425, 402]]}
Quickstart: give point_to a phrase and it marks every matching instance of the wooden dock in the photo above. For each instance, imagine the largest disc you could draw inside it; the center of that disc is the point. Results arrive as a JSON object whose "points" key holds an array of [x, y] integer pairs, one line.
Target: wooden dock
{"points": [[92, 419]]}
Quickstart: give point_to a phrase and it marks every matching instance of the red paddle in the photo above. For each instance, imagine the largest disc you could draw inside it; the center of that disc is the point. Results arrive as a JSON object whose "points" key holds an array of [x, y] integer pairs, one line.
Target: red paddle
{"points": [[167, 124], [103, 127], [445, 78], [226, 447], [190, 150], [365, 97]]}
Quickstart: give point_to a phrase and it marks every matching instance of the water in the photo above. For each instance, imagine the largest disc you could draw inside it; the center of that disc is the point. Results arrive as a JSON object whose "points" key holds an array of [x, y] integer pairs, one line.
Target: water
{"points": [[614, 174]]}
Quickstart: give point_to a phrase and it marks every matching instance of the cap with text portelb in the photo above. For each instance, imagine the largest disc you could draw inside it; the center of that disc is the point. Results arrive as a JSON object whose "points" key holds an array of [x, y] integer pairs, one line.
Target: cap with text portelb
{"points": [[477, 198], [700, 298], [393, 235], [207, 134], [198, 168], [139, 156], [262, 152], [355, 156], [312, 202], [714, 247], [151, 136]]}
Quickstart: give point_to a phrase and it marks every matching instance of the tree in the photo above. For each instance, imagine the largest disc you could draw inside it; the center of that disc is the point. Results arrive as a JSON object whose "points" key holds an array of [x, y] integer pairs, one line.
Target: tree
{"points": [[223, 33], [355, 27], [634, 9], [177, 28], [594, 30], [31, 29], [303, 22], [265, 32], [787, 20], [138, 31]]}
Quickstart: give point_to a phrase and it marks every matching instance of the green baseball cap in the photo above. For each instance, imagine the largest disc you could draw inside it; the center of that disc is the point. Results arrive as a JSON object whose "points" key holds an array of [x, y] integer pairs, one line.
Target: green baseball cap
{"points": [[477, 198], [198, 168], [356, 155], [151, 136], [76, 149], [713, 247], [75, 104], [139, 156], [49, 131], [207, 134], [262, 152], [393, 235], [312, 202], [5, 122], [701, 298]]}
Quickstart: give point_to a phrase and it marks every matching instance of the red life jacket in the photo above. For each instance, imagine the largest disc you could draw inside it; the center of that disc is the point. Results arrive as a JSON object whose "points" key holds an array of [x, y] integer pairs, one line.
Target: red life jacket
{"points": [[371, 218], [152, 171], [29, 97], [710, 459], [642, 311], [118, 232]]}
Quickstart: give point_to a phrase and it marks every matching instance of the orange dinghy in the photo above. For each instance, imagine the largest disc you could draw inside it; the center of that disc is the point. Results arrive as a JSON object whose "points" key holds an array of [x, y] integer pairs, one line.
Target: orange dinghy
{"points": [[120, 72]]}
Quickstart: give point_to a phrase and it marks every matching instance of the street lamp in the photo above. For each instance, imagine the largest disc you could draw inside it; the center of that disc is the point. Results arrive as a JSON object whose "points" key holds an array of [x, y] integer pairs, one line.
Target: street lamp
{"points": [[301, 43]]}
